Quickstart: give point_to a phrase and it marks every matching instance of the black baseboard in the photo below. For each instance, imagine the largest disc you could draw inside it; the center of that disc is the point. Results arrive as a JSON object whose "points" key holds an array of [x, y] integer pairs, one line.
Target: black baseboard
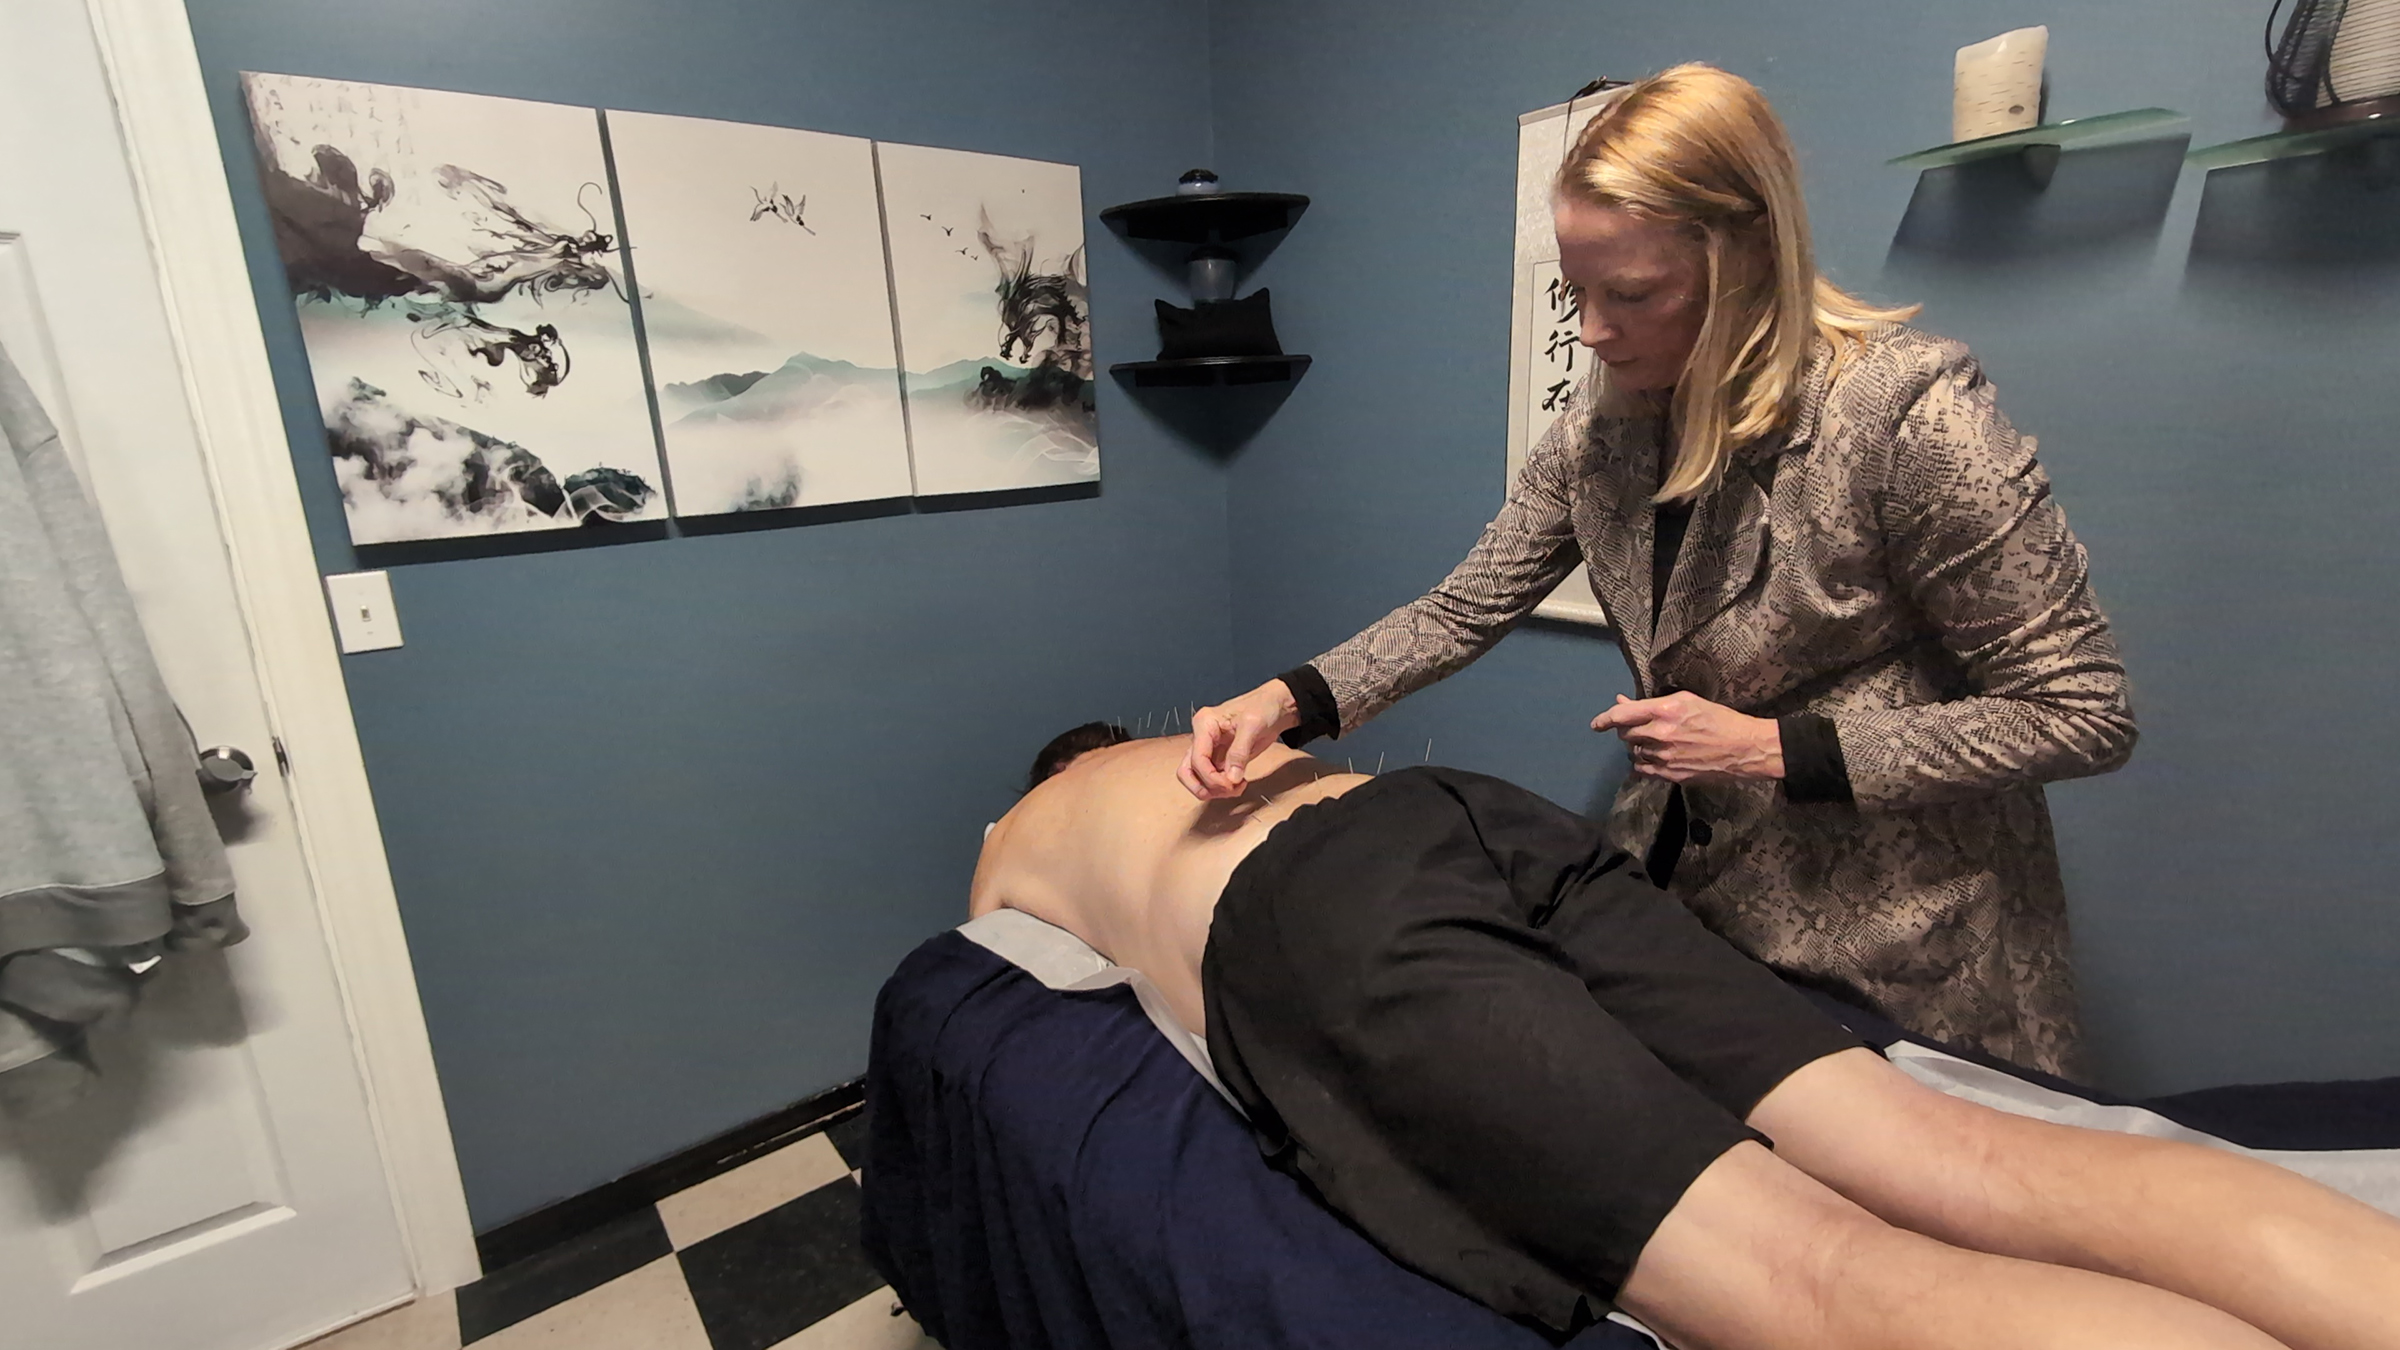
{"points": [[576, 1215]]}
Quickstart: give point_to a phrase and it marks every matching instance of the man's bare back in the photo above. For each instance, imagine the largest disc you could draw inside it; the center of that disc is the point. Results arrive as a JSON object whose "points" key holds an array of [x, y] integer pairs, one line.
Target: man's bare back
{"points": [[1115, 851]]}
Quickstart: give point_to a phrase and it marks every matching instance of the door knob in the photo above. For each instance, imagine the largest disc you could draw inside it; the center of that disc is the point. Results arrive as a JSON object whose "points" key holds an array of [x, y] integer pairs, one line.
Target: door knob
{"points": [[225, 769]]}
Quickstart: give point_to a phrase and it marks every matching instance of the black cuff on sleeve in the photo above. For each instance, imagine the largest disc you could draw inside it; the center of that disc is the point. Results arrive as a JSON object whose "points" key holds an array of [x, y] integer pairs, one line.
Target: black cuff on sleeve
{"points": [[1813, 768], [1319, 714]]}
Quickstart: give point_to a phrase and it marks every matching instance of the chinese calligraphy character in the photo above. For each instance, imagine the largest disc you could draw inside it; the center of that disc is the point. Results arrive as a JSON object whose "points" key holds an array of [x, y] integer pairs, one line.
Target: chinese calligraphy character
{"points": [[1561, 340], [1553, 395]]}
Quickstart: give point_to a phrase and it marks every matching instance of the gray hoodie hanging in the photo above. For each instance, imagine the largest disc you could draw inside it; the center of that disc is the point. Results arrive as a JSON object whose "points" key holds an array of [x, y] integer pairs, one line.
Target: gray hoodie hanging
{"points": [[109, 859]]}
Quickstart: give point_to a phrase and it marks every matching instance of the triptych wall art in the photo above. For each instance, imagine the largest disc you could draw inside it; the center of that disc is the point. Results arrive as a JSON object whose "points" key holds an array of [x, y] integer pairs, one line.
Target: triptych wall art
{"points": [[826, 319]]}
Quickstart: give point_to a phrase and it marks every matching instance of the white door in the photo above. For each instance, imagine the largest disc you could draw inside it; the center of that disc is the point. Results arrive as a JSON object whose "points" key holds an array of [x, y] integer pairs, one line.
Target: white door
{"points": [[223, 1188]]}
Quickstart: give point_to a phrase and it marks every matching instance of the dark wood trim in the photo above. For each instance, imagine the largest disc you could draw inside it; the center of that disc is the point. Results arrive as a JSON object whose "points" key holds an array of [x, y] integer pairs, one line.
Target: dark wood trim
{"points": [[567, 1219]]}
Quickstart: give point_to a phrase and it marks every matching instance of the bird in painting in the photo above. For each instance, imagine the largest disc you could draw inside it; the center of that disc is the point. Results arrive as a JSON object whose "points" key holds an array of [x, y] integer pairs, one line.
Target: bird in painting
{"points": [[780, 205]]}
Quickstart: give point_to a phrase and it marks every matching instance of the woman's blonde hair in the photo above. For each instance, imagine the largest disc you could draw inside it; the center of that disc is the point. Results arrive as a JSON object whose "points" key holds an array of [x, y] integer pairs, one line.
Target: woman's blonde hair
{"points": [[1699, 147]]}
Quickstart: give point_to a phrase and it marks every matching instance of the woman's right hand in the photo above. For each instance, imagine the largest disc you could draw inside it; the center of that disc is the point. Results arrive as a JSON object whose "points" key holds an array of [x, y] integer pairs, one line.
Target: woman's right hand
{"points": [[1227, 736]]}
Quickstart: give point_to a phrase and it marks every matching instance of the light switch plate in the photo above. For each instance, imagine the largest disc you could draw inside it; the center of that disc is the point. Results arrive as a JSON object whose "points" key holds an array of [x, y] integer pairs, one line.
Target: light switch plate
{"points": [[362, 611]]}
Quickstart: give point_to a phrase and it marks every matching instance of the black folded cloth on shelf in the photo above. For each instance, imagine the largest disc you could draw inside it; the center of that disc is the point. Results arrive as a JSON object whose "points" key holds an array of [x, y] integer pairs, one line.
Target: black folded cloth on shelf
{"points": [[1217, 328]]}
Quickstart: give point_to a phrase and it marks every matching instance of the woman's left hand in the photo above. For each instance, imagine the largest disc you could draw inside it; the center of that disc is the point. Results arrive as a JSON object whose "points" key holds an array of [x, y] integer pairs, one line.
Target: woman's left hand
{"points": [[1684, 738]]}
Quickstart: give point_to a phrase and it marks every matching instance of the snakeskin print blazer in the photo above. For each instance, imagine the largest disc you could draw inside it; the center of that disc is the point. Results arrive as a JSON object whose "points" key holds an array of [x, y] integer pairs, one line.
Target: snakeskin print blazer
{"points": [[1894, 562]]}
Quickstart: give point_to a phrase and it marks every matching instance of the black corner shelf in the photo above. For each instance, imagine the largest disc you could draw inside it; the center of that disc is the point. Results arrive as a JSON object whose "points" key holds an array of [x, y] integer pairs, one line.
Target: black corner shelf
{"points": [[1199, 371], [1206, 218]]}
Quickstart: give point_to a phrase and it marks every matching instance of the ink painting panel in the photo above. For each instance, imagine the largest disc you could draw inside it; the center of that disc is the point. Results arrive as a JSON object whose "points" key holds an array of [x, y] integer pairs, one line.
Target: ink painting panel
{"points": [[995, 318], [461, 294], [759, 255]]}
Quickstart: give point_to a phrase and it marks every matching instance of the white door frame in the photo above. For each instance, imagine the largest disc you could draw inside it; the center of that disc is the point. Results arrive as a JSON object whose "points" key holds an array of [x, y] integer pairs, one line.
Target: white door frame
{"points": [[179, 178]]}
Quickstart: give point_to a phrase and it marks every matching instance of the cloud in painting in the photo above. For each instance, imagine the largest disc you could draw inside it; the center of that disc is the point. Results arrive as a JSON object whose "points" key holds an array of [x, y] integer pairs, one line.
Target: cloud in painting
{"points": [[728, 430], [408, 476]]}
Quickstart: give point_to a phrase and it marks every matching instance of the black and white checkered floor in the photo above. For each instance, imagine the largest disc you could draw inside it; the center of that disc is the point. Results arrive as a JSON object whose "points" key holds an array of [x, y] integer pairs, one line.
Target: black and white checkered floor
{"points": [[764, 1257]]}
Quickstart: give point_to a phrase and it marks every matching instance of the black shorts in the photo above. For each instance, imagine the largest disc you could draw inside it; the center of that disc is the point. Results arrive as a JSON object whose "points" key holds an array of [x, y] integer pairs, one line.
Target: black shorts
{"points": [[1484, 1038]]}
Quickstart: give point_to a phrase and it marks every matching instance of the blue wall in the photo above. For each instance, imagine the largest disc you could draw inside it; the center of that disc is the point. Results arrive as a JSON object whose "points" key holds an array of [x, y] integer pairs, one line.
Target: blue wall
{"points": [[663, 814], [2219, 418]]}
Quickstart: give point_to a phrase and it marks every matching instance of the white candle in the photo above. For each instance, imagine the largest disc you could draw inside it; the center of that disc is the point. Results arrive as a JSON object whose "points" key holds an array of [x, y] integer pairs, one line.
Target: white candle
{"points": [[1997, 85]]}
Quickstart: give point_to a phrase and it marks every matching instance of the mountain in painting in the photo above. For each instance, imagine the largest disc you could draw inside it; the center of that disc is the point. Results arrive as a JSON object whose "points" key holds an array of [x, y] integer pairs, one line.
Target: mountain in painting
{"points": [[998, 386], [798, 388], [965, 374], [714, 389]]}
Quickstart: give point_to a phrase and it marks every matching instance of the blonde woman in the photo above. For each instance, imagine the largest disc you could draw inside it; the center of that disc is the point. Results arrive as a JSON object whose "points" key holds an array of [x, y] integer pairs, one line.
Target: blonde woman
{"points": [[1860, 632]]}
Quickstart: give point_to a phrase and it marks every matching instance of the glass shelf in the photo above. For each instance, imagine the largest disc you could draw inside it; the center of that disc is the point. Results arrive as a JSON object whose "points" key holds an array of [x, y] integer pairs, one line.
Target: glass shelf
{"points": [[2293, 144], [2137, 124]]}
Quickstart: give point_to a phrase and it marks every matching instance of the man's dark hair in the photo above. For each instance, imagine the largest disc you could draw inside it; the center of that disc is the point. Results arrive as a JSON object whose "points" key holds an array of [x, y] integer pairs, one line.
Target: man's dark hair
{"points": [[1061, 752]]}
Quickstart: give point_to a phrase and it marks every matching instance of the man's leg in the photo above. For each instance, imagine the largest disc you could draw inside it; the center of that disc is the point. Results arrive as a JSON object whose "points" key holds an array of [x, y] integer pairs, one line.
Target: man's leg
{"points": [[1757, 1256], [2257, 1242], [2307, 1265]]}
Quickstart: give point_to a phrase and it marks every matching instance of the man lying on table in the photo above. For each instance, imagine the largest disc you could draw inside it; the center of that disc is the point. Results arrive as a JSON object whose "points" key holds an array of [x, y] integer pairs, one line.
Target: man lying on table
{"points": [[1527, 1073]]}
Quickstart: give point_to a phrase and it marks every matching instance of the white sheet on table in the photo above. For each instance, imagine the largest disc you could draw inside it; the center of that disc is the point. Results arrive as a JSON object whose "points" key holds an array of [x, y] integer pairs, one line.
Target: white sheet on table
{"points": [[1066, 962], [2371, 1175]]}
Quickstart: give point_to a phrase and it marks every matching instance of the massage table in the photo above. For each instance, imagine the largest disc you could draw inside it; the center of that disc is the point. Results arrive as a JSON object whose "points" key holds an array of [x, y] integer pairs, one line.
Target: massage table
{"points": [[1050, 1164]]}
